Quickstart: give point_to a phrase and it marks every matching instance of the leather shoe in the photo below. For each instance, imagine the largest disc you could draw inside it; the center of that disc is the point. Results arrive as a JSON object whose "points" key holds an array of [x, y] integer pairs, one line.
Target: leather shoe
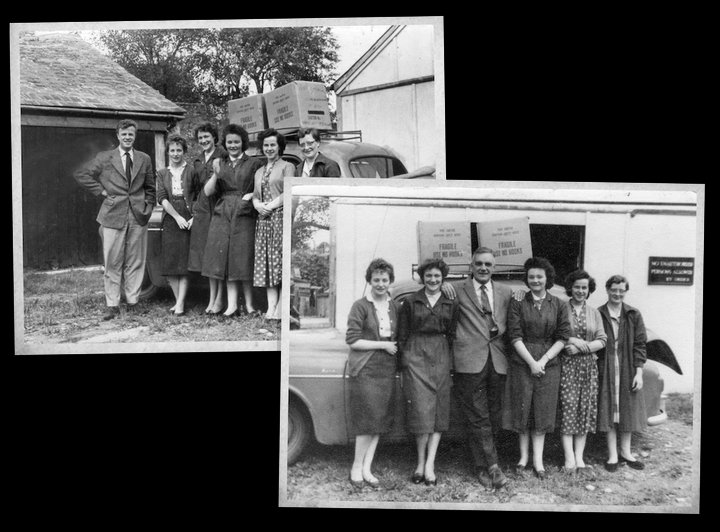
{"points": [[540, 474], [374, 484], [484, 479], [635, 464], [357, 484], [611, 467], [417, 478], [110, 313], [432, 482], [497, 476]]}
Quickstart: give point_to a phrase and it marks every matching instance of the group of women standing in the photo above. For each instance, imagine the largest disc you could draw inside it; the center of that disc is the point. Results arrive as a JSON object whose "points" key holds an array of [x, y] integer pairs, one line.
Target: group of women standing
{"points": [[222, 218], [571, 367]]}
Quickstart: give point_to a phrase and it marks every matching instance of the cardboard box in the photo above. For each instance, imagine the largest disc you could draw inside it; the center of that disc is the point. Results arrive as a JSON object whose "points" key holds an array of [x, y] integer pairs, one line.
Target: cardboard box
{"points": [[509, 239], [249, 113], [298, 104], [449, 241]]}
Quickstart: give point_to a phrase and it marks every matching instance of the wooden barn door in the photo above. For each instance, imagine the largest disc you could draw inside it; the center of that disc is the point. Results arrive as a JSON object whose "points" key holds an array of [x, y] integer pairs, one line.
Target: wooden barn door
{"points": [[59, 227]]}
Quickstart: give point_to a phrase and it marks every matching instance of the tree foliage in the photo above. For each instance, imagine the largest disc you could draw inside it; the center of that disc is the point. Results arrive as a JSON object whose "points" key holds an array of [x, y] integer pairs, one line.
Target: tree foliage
{"points": [[212, 66], [313, 267], [309, 215]]}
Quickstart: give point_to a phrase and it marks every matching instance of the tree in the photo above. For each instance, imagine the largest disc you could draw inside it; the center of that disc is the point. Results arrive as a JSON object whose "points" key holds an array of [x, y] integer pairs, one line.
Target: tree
{"points": [[167, 60], [213, 66], [310, 214], [313, 267]]}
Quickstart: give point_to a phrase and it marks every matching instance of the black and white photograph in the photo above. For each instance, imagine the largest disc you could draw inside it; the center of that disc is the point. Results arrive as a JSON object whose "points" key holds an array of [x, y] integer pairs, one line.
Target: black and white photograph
{"points": [[568, 385], [180, 247]]}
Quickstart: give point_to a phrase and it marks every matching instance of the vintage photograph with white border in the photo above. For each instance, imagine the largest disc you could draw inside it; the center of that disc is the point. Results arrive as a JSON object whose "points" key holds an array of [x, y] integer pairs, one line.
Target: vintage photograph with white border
{"points": [[378, 64], [653, 234]]}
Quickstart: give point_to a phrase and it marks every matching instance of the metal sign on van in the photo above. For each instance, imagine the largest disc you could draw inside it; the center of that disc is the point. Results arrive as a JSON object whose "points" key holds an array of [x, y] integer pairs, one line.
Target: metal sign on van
{"points": [[671, 270], [509, 239], [449, 241]]}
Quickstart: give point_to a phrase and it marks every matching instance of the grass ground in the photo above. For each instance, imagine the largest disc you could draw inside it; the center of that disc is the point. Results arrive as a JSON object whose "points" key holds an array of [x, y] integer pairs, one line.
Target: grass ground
{"points": [[666, 482], [67, 307]]}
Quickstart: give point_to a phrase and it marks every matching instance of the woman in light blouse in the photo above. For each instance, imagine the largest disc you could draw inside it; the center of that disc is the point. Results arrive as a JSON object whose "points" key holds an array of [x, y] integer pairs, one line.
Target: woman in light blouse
{"points": [[177, 191], [371, 335], [268, 202], [579, 374]]}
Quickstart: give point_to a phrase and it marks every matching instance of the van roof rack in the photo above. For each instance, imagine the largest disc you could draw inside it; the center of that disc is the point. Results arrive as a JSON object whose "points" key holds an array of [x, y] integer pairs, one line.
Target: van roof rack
{"points": [[462, 271], [291, 133]]}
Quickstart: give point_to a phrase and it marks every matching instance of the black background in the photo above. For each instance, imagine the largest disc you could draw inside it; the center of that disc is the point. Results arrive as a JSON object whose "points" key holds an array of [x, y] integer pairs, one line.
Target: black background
{"points": [[561, 96]]}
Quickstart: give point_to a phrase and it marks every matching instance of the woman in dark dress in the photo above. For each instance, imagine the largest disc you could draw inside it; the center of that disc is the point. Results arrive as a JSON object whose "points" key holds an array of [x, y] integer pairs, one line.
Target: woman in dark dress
{"points": [[426, 328], [268, 201], [371, 335], [206, 136], [177, 190], [538, 328], [621, 406], [229, 252]]}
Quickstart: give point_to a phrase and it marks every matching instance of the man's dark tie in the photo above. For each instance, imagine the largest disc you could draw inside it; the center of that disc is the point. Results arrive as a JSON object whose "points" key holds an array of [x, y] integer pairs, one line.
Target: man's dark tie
{"points": [[128, 166], [485, 300]]}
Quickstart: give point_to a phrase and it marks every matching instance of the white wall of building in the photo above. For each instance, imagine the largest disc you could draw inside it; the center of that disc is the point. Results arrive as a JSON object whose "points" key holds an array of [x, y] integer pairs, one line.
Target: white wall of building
{"points": [[399, 117]]}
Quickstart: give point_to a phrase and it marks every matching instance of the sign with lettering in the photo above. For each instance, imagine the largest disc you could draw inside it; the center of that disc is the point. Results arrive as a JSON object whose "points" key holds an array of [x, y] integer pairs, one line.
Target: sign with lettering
{"points": [[449, 241], [509, 239], [671, 270]]}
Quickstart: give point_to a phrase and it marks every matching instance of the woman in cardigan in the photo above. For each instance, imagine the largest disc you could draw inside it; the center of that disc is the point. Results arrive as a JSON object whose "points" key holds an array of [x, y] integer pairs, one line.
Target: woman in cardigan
{"points": [[268, 202], [177, 190], [621, 406], [426, 328], [206, 135], [371, 335], [579, 375], [538, 328]]}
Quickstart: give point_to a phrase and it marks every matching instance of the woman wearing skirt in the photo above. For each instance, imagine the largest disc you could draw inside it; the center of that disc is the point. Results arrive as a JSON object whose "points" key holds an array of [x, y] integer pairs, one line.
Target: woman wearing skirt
{"points": [[177, 189], [268, 202], [371, 335]]}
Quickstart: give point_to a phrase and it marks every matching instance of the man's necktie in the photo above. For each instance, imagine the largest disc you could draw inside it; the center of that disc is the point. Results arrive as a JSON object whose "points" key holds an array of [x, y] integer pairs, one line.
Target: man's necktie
{"points": [[485, 300], [128, 166]]}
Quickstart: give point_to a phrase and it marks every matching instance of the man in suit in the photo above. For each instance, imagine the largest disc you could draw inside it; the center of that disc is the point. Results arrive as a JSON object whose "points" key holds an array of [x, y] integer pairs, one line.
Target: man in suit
{"points": [[479, 362], [315, 163], [124, 178]]}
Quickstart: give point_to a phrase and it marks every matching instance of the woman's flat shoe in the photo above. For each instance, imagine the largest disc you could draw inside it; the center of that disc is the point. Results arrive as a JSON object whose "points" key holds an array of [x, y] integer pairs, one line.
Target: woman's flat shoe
{"points": [[417, 478], [540, 474], [374, 484], [432, 482], [611, 467], [635, 464], [357, 484]]}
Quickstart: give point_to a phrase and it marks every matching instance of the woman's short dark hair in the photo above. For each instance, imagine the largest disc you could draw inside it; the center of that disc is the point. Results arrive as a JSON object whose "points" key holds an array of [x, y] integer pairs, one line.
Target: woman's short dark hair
{"points": [[615, 279], [176, 139], [234, 129], [380, 265], [207, 127], [429, 264], [541, 264], [576, 276], [309, 131], [273, 133]]}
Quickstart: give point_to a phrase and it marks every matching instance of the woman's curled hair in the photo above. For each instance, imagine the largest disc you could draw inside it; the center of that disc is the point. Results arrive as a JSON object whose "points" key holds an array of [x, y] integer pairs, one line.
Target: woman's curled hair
{"points": [[541, 264], [380, 265], [428, 264]]}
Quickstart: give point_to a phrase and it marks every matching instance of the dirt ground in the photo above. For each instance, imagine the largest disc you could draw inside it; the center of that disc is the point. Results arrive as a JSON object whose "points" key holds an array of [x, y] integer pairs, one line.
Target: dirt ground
{"points": [[67, 308], [666, 483]]}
